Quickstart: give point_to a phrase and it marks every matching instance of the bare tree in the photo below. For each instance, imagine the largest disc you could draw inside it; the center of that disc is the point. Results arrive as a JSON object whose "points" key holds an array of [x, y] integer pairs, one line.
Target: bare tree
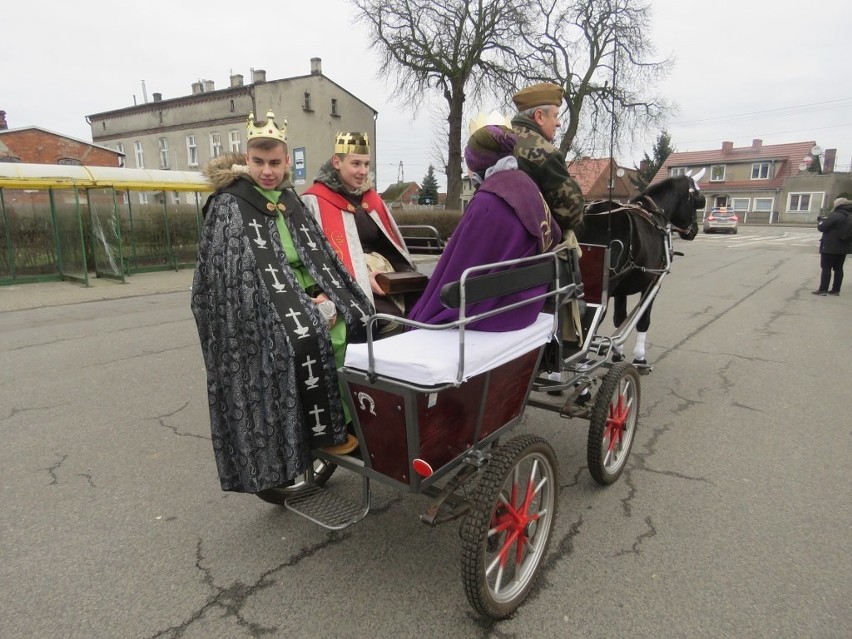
{"points": [[599, 52], [459, 47]]}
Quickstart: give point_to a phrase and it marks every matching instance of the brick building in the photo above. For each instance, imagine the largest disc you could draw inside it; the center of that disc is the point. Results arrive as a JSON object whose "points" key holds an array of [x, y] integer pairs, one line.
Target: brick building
{"points": [[34, 145]]}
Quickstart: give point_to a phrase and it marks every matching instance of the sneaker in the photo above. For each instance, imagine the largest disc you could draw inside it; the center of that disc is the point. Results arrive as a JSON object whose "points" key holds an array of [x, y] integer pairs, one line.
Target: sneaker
{"points": [[834, 292], [345, 448], [819, 293]]}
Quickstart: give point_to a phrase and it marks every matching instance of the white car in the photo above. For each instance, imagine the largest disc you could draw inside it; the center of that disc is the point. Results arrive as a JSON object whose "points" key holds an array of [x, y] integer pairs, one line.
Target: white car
{"points": [[721, 218]]}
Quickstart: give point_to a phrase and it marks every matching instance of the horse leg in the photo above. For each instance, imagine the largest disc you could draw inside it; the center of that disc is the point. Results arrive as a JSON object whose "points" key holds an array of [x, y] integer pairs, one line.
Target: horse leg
{"points": [[641, 333], [619, 314]]}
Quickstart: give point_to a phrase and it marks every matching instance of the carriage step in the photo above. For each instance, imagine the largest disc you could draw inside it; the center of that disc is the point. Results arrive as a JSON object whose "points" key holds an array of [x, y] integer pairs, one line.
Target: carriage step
{"points": [[328, 509]]}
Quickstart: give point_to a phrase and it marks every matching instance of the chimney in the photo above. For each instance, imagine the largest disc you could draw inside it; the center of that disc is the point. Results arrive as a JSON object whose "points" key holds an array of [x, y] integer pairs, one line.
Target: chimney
{"points": [[158, 97], [236, 80], [829, 158], [727, 147], [316, 66], [756, 145], [3, 125], [197, 88], [258, 76], [643, 165], [208, 86]]}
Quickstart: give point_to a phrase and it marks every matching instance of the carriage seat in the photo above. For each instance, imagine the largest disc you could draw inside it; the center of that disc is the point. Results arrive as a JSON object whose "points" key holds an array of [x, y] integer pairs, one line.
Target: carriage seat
{"points": [[427, 357]]}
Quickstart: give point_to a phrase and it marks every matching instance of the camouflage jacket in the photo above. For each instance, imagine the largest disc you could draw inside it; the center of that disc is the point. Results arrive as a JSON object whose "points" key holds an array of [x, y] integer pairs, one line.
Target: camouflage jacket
{"points": [[545, 164]]}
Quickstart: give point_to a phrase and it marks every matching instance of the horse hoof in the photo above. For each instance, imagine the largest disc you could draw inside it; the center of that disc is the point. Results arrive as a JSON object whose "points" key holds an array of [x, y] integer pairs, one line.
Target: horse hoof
{"points": [[617, 357], [640, 362]]}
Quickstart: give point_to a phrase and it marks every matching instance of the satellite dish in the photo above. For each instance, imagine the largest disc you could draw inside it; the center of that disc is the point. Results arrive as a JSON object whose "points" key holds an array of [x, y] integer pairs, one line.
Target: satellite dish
{"points": [[816, 149], [802, 166], [620, 172]]}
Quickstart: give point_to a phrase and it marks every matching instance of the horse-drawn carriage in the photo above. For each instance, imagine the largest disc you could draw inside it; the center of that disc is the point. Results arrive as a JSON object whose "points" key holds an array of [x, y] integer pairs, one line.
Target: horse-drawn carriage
{"points": [[433, 408]]}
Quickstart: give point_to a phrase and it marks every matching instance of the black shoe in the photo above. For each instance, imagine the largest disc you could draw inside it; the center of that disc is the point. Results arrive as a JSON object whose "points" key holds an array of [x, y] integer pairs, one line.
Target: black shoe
{"points": [[834, 292], [819, 293]]}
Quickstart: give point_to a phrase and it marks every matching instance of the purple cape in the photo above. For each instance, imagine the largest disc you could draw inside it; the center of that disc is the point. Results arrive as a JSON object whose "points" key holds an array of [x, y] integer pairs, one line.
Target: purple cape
{"points": [[502, 222]]}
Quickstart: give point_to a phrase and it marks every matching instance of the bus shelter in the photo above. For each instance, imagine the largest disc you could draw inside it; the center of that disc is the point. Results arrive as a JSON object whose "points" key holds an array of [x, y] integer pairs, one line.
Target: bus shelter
{"points": [[71, 222]]}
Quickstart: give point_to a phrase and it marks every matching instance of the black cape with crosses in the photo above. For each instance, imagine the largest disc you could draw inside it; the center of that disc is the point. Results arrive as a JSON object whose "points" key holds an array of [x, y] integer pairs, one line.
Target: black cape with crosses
{"points": [[265, 344]]}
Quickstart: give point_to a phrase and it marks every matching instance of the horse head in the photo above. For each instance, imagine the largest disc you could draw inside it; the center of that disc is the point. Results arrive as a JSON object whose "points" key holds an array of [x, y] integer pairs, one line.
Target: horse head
{"points": [[679, 199]]}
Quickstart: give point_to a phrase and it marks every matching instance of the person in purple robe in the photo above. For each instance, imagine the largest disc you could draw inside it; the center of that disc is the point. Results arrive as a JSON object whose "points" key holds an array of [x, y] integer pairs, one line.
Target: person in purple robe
{"points": [[506, 219]]}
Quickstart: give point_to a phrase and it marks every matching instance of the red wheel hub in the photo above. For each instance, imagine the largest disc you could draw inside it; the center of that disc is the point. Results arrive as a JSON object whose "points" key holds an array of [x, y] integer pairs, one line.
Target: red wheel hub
{"points": [[616, 423], [517, 522]]}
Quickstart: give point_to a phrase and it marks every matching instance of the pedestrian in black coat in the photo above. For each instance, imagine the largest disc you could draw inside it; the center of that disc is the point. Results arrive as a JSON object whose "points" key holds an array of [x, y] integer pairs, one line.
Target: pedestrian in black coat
{"points": [[832, 247]]}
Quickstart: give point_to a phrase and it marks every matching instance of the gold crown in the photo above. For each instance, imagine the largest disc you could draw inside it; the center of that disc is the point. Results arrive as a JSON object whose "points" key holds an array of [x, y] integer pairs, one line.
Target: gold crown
{"points": [[495, 117], [354, 142], [268, 130]]}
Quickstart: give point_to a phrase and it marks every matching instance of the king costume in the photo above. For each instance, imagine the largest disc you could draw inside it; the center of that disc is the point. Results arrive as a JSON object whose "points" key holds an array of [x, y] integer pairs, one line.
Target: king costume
{"points": [[270, 356], [506, 219], [359, 227]]}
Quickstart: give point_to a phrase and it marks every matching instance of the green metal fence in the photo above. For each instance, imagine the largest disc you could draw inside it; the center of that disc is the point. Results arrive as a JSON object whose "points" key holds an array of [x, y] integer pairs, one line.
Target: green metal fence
{"points": [[68, 229]]}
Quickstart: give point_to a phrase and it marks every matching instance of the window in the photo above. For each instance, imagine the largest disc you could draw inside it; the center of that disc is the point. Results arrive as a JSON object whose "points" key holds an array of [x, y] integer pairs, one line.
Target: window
{"points": [[121, 160], [677, 170], [215, 145], [164, 153], [306, 105], [717, 173], [143, 197], [740, 204], [233, 106], [175, 197], [140, 156], [763, 204], [191, 151], [234, 137], [804, 201], [69, 161], [760, 171], [334, 107]]}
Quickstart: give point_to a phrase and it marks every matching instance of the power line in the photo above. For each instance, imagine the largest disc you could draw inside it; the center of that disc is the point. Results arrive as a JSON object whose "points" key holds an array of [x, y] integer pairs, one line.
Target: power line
{"points": [[793, 110]]}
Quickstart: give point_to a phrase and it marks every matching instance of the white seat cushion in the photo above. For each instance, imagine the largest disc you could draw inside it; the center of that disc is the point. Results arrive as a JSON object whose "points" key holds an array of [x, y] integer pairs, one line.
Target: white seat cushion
{"points": [[431, 357]]}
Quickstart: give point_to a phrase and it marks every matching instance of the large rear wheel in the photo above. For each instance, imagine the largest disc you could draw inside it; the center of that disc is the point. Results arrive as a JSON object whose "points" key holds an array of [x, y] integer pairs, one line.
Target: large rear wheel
{"points": [[613, 423], [322, 473], [506, 534]]}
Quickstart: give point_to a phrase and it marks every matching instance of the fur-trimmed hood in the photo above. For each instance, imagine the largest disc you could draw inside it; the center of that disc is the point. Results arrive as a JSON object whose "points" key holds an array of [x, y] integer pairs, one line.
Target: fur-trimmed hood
{"points": [[225, 169], [329, 176]]}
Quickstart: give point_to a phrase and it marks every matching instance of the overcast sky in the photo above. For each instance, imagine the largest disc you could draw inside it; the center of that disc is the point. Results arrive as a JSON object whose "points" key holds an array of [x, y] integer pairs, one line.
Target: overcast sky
{"points": [[775, 70]]}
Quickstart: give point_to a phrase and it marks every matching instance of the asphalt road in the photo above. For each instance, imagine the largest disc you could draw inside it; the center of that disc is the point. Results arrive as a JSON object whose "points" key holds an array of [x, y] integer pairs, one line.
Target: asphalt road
{"points": [[732, 518]]}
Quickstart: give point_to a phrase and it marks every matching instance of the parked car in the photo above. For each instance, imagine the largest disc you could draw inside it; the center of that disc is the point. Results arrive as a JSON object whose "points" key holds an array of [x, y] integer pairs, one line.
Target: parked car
{"points": [[721, 218]]}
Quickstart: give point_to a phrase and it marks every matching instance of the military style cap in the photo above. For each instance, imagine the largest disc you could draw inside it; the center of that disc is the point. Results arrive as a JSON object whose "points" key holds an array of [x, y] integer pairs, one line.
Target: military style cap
{"points": [[538, 95]]}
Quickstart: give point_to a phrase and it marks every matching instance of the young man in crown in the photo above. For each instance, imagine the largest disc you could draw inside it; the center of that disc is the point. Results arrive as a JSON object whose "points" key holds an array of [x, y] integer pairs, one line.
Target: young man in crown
{"points": [[356, 221], [274, 307]]}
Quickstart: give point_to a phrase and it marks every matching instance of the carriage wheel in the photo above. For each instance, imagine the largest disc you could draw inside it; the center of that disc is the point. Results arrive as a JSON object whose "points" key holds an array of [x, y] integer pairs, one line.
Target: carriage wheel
{"points": [[322, 473], [506, 533], [613, 423]]}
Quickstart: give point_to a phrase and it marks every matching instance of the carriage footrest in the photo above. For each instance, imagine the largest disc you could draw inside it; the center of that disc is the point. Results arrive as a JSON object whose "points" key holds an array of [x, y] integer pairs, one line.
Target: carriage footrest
{"points": [[328, 509]]}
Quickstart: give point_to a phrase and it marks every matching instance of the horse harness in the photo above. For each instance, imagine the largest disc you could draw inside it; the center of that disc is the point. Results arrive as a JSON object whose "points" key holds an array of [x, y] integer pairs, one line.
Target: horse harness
{"points": [[650, 214]]}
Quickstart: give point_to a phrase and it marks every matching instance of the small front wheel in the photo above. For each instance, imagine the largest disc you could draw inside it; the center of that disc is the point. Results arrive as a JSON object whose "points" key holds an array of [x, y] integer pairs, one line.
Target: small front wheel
{"points": [[506, 534], [613, 423], [278, 495]]}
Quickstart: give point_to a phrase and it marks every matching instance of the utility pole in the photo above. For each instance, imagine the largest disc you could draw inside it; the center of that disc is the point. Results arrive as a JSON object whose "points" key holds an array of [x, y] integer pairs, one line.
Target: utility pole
{"points": [[400, 174]]}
